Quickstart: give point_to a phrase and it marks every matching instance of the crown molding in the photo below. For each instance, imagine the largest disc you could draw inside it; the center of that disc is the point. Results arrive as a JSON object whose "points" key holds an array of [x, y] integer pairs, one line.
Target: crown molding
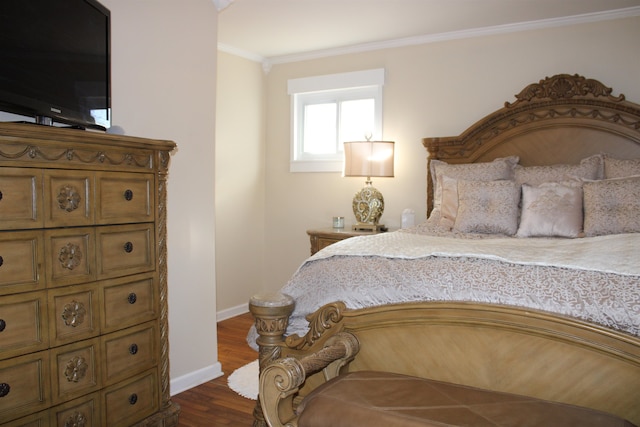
{"points": [[268, 62], [241, 53]]}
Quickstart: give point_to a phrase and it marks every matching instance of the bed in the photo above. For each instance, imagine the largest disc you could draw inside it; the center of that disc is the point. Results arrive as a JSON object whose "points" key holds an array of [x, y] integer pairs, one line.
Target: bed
{"points": [[525, 277]]}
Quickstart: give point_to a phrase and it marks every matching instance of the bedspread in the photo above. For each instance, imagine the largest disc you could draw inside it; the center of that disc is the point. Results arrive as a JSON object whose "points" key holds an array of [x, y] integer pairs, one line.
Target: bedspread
{"points": [[593, 279], [612, 253]]}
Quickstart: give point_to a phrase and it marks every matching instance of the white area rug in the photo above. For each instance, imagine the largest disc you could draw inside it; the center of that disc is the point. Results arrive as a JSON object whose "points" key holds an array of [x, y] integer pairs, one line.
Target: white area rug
{"points": [[244, 380]]}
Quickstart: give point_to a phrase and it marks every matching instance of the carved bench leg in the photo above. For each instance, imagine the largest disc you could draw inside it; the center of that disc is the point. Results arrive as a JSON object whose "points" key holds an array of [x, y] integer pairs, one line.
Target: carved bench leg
{"points": [[271, 313]]}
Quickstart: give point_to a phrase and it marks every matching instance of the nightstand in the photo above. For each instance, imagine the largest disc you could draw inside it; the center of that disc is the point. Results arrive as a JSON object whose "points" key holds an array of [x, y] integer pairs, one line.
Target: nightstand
{"points": [[323, 237]]}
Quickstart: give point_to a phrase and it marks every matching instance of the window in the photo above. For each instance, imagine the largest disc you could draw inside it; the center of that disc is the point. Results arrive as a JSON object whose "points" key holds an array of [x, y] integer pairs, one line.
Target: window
{"points": [[328, 110]]}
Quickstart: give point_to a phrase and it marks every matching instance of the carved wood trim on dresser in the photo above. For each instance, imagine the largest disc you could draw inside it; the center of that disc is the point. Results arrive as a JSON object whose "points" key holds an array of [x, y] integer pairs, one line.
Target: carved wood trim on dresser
{"points": [[83, 279]]}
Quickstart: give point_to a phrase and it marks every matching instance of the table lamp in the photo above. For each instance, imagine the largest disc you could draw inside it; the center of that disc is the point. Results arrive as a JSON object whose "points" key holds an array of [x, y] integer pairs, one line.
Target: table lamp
{"points": [[368, 159]]}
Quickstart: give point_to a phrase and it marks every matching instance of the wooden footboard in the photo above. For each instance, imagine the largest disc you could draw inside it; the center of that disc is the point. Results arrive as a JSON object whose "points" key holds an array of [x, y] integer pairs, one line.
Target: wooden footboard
{"points": [[498, 348]]}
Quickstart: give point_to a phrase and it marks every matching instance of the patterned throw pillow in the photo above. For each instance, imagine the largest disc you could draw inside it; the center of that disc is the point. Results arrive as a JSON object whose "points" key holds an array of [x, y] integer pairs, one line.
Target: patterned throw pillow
{"points": [[489, 207], [501, 168], [589, 168], [618, 168], [551, 209], [612, 206], [449, 205]]}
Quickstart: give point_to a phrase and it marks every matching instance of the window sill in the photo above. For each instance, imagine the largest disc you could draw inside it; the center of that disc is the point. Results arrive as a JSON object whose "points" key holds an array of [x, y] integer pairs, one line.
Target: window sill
{"points": [[316, 166]]}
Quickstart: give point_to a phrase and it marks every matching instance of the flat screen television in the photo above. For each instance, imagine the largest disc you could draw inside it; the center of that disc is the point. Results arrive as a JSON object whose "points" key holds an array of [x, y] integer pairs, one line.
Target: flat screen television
{"points": [[55, 61]]}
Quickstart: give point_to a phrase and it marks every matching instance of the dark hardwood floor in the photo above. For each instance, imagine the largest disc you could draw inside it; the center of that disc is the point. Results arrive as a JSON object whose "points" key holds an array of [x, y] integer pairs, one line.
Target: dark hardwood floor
{"points": [[214, 403]]}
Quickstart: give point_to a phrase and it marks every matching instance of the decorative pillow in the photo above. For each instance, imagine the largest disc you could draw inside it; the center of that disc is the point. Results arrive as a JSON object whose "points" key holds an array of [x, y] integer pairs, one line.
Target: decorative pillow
{"points": [[551, 209], [501, 168], [612, 206], [618, 168], [487, 207], [589, 168], [449, 204]]}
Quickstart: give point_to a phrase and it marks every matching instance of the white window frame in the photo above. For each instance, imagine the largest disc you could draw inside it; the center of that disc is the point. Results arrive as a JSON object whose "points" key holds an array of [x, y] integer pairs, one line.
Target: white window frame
{"points": [[332, 87]]}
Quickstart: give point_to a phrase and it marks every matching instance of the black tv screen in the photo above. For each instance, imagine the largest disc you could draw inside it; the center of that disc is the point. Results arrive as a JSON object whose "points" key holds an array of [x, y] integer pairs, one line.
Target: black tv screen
{"points": [[55, 61]]}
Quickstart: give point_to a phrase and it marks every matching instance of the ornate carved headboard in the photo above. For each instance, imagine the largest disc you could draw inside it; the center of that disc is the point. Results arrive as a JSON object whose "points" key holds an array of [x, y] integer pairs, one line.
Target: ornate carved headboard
{"points": [[560, 119]]}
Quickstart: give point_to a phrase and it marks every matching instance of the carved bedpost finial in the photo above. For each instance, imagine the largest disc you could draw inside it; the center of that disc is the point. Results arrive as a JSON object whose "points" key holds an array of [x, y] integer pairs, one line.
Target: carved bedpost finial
{"points": [[564, 86], [271, 312]]}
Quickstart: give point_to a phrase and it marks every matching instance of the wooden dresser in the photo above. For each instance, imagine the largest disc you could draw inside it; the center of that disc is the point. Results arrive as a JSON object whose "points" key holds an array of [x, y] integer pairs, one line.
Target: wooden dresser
{"points": [[83, 279]]}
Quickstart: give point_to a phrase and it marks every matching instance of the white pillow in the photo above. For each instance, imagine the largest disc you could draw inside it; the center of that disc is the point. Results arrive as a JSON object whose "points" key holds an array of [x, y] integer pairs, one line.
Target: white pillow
{"points": [[449, 205], [551, 209]]}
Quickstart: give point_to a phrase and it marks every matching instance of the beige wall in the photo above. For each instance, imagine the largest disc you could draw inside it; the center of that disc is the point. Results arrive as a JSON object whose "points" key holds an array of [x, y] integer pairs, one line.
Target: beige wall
{"points": [[163, 76], [432, 90], [239, 183]]}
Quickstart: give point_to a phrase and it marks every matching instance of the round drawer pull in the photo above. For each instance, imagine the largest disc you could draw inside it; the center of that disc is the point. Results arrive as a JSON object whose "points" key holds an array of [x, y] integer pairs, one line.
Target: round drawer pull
{"points": [[128, 247], [3, 325], [1, 261], [4, 389], [133, 349], [132, 298], [0, 195], [128, 195], [133, 399]]}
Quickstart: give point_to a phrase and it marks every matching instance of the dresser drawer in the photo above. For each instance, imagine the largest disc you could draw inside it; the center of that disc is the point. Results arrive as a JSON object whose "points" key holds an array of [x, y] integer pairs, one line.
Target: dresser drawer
{"points": [[39, 419], [73, 313], [20, 198], [85, 411], [21, 261], [125, 249], [22, 324], [75, 370], [128, 301], [124, 197], [71, 256], [129, 352], [25, 385], [68, 198], [128, 402]]}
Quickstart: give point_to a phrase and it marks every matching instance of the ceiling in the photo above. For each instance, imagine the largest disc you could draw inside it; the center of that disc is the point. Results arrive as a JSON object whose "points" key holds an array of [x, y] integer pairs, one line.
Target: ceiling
{"points": [[283, 30]]}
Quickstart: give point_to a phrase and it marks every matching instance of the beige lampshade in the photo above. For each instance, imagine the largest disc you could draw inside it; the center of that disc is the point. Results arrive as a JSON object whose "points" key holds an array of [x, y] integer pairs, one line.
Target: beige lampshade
{"points": [[368, 158]]}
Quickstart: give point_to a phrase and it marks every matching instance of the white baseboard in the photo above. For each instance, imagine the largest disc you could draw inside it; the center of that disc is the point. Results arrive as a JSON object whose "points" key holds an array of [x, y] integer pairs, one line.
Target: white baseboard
{"points": [[195, 378], [232, 312], [209, 373]]}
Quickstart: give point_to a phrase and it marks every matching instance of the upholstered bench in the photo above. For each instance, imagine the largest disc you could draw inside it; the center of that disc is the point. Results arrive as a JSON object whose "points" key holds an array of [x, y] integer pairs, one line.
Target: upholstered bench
{"points": [[370, 399], [375, 398]]}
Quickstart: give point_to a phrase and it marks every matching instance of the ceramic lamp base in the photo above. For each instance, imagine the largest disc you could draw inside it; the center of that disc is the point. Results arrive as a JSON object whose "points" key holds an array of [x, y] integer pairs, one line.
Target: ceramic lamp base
{"points": [[368, 205]]}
